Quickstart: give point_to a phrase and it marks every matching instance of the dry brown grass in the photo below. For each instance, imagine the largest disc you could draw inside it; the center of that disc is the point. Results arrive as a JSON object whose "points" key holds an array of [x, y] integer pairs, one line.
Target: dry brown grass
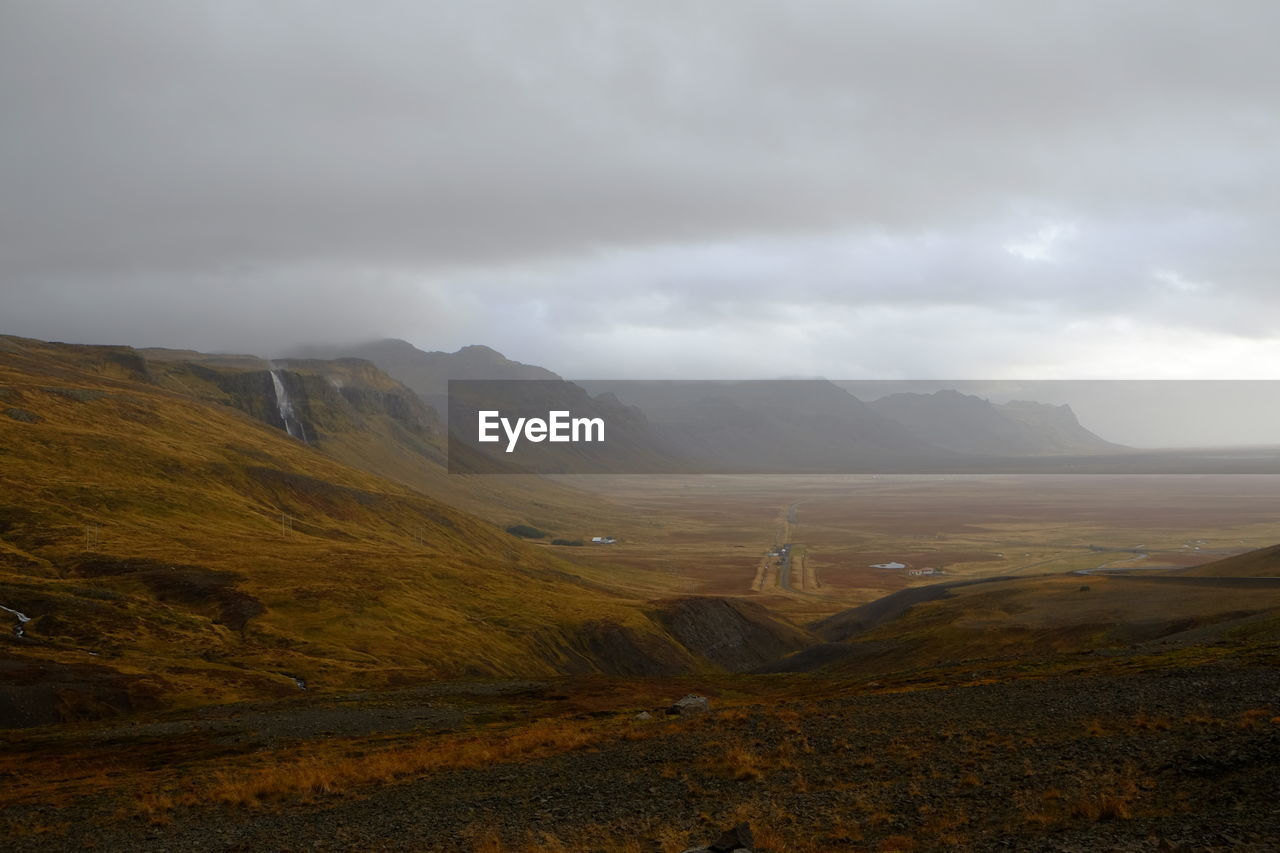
{"points": [[155, 807], [1256, 718], [1200, 718], [1110, 795], [743, 764], [32, 826], [487, 840], [1100, 807], [1041, 810], [1145, 722], [328, 771]]}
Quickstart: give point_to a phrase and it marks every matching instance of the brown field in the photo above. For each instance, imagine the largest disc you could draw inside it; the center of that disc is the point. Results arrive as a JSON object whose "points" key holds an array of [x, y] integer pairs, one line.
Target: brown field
{"points": [[710, 534]]}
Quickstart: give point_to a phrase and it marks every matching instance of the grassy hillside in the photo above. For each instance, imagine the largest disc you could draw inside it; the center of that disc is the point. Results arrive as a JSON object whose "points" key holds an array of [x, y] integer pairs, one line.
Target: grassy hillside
{"points": [[1265, 562], [1228, 607], [167, 548], [358, 414]]}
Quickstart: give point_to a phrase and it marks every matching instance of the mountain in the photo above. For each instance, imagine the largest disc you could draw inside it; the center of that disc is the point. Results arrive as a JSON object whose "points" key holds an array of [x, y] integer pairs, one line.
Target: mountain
{"points": [[1056, 428], [320, 402], [168, 542], [428, 373], [968, 424], [632, 445], [762, 426]]}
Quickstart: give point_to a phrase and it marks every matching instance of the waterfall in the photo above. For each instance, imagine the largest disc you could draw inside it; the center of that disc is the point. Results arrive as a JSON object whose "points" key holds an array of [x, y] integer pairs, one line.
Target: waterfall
{"points": [[284, 406]]}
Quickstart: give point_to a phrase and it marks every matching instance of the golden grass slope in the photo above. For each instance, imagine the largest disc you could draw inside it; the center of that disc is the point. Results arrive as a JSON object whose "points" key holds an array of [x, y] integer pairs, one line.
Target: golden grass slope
{"points": [[1264, 562], [361, 416], [186, 545], [1023, 620]]}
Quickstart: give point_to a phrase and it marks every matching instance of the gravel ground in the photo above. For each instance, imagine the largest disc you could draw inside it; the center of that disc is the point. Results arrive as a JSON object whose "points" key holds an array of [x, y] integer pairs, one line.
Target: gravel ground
{"points": [[1188, 760]]}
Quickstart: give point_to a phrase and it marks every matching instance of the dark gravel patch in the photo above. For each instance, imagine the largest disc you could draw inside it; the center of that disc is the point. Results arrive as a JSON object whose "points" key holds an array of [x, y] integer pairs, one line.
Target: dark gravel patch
{"points": [[1160, 761]]}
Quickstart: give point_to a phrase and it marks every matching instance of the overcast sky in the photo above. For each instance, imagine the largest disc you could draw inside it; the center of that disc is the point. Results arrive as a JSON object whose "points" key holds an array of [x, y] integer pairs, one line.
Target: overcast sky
{"points": [[622, 189]]}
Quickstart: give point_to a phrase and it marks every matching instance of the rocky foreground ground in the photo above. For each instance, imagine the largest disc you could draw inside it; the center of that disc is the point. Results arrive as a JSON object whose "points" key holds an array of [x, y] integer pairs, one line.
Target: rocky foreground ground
{"points": [[1179, 760]]}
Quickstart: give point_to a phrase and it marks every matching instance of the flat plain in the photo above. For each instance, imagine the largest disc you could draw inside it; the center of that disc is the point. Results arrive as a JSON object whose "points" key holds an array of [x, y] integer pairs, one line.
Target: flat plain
{"points": [[711, 535]]}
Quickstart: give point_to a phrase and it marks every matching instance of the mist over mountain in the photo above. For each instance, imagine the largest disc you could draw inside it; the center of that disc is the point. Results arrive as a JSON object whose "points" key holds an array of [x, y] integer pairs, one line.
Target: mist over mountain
{"points": [[811, 426], [970, 424], [428, 372], [780, 425], [772, 425]]}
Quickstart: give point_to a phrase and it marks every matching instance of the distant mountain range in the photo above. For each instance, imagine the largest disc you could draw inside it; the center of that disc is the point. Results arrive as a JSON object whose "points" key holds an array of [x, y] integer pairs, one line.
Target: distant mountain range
{"points": [[967, 424], [775, 426], [771, 426]]}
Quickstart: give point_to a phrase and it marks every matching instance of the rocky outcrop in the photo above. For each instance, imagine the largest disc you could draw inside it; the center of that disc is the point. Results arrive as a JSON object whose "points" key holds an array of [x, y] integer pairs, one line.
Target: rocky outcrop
{"points": [[733, 634]]}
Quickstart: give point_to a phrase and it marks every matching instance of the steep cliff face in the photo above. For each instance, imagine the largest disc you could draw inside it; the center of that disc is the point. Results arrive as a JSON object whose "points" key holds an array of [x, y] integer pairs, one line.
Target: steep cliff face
{"points": [[312, 400], [334, 397]]}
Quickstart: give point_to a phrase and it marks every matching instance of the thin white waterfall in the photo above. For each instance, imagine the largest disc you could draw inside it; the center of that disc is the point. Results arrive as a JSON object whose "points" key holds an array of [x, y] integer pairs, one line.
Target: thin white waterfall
{"points": [[284, 406]]}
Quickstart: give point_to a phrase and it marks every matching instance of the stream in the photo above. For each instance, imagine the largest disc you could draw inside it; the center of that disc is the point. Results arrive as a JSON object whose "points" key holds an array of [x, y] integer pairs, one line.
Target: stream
{"points": [[23, 619]]}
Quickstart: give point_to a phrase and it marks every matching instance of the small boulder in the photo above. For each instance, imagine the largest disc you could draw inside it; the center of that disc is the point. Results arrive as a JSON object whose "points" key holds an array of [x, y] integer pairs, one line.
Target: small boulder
{"points": [[644, 715], [691, 704]]}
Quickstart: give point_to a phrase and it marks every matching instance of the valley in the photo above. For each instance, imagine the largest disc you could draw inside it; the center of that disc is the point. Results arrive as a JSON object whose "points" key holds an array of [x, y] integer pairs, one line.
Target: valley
{"points": [[963, 526], [244, 604]]}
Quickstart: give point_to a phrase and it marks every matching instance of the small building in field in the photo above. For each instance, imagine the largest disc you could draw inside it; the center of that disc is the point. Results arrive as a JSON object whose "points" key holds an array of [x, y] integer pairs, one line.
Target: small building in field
{"points": [[603, 540]]}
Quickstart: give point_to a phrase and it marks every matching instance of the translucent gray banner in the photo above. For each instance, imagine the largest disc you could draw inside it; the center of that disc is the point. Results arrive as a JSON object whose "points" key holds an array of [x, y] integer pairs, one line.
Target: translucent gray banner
{"points": [[819, 426]]}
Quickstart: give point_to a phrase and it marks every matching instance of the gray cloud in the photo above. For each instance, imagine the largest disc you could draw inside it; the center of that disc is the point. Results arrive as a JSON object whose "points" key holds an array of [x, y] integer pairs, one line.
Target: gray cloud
{"points": [[722, 188]]}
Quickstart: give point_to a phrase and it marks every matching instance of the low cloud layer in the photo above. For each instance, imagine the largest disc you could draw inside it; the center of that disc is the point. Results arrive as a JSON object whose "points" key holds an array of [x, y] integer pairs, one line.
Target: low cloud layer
{"points": [[665, 189]]}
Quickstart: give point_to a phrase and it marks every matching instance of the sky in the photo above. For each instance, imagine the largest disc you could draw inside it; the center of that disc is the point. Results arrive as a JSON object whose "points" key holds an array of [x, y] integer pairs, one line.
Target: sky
{"points": [[720, 189]]}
